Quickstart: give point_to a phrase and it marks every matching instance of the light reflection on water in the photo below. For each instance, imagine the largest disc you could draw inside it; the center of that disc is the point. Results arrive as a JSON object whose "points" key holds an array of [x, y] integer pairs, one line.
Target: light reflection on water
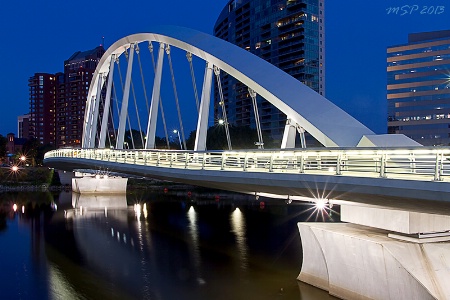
{"points": [[238, 228], [166, 249]]}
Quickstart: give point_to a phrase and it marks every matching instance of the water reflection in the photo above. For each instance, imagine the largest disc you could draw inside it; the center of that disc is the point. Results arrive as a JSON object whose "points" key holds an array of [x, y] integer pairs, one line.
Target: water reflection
{"points": [[87, 201], [238, 228], [194, 244], [96, 247]]}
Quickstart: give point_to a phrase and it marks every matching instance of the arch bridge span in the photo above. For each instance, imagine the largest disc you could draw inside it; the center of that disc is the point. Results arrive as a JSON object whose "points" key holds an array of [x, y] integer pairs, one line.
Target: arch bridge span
{"points": [[346, 169], [305, 109]]}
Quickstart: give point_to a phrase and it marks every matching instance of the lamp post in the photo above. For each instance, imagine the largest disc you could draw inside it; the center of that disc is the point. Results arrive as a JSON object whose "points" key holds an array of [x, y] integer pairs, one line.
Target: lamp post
{"points": [[179, 139]]}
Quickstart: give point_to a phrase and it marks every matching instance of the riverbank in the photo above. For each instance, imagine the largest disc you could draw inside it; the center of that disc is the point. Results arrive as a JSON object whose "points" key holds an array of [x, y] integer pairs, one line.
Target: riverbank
{"points": [[44, 179]]}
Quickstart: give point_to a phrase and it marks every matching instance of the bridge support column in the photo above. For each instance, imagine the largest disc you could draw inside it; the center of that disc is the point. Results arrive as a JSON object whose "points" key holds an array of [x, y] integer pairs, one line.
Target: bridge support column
{"points": [[98, 184], [202, 123], [354, 261], [124, 107], [156, 95], [288, 140], [105, 117], [93, 127]]}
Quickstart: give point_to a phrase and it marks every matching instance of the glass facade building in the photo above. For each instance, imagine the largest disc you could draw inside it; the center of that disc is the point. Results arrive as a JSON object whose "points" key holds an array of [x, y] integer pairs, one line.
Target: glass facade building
{"points": [[418, 88], [287, 33]]}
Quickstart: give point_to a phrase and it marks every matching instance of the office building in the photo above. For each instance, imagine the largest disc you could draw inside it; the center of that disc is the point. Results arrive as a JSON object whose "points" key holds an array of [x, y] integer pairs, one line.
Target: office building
{"points": [[418, 88], [287, 33]]}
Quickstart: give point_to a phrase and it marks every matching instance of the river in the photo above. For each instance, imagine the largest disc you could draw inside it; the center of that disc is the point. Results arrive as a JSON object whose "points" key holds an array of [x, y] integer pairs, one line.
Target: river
{"points": [[165, 245]]}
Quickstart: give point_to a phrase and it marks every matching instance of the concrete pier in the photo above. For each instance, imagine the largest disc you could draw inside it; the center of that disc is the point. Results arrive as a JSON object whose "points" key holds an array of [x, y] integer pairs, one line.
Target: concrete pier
{"points": [[97, 184], [406, 257]]}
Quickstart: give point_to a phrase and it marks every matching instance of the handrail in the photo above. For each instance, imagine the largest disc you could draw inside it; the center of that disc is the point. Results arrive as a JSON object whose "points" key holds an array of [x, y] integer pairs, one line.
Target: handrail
{"points": [[420, 163]]}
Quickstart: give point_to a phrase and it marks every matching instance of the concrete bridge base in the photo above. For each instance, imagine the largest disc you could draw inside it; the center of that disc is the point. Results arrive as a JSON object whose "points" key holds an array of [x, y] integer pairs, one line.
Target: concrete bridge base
{"points": [[99, 185], [354, 261]]}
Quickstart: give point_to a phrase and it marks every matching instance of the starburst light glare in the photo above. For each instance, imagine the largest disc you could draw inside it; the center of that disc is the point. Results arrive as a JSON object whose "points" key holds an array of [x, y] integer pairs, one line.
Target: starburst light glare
{"points": [[320, 204]]}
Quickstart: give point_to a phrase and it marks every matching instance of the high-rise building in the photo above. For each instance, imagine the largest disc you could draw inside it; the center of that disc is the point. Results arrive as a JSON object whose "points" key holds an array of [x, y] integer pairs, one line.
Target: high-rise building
{"points": [[71, 92], [418, 88], [287, 33], [23, 126], [42, 108], [57, 101]]}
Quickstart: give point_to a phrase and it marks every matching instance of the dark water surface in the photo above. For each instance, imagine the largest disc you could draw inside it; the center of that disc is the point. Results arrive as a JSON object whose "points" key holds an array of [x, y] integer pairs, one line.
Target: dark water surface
{"points": [[171, 247]]}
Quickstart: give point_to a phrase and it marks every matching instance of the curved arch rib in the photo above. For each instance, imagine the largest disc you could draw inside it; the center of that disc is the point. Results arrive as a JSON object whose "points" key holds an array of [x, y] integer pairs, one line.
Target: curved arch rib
{"points": [[325, 121]]}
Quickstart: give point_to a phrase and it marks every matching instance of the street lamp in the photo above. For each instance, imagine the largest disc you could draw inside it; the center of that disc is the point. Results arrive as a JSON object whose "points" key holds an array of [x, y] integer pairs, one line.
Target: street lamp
{"points": [[179, 139]]}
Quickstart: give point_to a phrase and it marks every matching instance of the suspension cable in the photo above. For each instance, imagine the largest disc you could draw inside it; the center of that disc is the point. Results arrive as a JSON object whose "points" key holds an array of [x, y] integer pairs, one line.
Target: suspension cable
{"points": [[301, 131], [150, 48], [258, 124], [222, 104], [109, 140], [118, 111], [135, 104], [99, 120], [128, 116], [142, 77], [112, 122], [117, 101], [194, 84], [169, 57]]}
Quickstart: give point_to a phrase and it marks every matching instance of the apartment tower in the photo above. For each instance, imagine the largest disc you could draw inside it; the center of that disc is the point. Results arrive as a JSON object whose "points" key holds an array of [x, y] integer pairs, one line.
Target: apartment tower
{"points": [[290, 34]]}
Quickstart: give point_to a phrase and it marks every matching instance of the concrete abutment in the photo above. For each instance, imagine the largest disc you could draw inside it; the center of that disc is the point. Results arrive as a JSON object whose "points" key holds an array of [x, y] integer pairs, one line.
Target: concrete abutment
{"points": [[355, 261]]}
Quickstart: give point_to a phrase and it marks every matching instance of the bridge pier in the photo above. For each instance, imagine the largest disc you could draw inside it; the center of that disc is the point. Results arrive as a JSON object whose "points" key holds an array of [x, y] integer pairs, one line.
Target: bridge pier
{"points": [[402, 255], [98, 184]]}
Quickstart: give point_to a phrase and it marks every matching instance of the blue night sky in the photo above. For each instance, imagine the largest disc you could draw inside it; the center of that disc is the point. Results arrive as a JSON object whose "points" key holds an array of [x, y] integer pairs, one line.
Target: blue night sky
{"points": [[39, 35]]}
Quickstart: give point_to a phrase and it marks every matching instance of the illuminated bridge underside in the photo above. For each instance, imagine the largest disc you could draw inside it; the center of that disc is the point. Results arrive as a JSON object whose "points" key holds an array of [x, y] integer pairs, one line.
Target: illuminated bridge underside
{"points": [[420, 174]]}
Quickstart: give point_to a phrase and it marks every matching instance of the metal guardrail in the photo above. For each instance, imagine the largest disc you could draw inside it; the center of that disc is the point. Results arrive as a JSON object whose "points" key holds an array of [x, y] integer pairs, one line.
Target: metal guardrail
{"points": [[421, 163]]}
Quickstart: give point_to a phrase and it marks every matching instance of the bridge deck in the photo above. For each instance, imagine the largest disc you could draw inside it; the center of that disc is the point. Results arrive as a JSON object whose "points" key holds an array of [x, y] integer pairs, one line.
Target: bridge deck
{"points": [[422, 173]]}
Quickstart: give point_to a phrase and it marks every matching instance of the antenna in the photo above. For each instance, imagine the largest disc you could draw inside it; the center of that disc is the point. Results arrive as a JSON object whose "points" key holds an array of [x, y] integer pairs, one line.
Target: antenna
{"points": [[103, 41]]}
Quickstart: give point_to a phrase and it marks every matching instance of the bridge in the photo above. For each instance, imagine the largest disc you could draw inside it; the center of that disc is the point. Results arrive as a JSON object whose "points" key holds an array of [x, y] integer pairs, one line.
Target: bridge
{"points": [[370, 176]]}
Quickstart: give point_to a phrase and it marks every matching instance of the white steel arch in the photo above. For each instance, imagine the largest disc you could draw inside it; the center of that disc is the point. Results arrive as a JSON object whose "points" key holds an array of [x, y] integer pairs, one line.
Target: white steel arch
{"points": [[325, 121]]}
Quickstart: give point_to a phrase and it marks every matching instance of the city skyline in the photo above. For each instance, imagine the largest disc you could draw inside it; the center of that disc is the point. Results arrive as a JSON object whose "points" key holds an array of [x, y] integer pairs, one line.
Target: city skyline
{"points": [[356, 55]]}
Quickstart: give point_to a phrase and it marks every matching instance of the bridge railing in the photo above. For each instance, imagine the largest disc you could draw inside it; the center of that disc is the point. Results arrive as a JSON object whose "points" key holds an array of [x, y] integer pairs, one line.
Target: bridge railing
{"points": [[420, 163]]}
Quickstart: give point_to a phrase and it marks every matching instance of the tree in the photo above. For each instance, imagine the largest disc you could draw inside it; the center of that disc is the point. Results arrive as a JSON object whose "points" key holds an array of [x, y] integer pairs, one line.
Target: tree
{"points": [[30, 150], [242, 137], [160, 143]]}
